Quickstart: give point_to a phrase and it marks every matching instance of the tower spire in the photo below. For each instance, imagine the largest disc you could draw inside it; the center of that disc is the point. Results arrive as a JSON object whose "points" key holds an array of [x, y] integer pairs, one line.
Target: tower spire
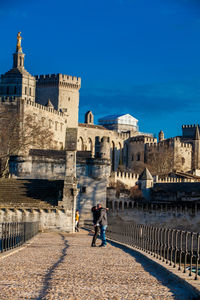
{"points": [[18, 56]]}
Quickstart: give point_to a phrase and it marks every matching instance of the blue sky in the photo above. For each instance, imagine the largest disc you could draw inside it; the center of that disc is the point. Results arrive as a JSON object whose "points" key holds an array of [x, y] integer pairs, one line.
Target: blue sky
{"points": [[134, 56]]}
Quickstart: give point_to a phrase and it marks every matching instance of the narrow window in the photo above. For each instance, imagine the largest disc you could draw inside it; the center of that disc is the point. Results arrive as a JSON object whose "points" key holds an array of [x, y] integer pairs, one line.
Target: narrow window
{"points": [[25, 90], [15, 90], [30, 91], [83, 189], [138, 157], [8, 90]]}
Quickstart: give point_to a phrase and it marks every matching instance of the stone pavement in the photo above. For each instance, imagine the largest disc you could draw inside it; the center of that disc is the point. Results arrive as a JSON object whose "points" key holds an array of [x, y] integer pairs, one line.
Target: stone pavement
{"points": [[64, 266]]}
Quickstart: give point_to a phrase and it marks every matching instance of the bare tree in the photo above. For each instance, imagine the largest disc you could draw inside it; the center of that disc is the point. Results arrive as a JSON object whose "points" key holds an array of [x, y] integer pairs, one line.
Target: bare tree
{"points": [[163, 161], [18, 135]]}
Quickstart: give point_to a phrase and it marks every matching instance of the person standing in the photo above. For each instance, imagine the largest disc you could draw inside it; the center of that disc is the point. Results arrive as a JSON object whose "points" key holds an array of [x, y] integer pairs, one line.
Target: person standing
{"points": [[102, 221], [95, 213], [77, 217]]}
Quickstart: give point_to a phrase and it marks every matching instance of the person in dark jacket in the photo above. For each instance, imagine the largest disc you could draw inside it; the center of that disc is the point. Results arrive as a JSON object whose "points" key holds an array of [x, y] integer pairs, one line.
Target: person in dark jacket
{"points": [[96, 215], [102, 221]]}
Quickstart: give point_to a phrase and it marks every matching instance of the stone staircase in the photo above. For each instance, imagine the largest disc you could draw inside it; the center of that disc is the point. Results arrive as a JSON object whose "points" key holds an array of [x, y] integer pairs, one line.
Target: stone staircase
{"points": [[30, 193]]}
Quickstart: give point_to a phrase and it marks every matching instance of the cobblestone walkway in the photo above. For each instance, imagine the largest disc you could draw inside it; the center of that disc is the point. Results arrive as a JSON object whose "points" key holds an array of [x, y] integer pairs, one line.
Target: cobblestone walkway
{"points": [[61, 266]]}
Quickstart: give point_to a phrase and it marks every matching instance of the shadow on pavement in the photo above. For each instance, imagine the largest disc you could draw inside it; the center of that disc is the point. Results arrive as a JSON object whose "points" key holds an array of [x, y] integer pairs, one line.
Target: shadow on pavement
{"points": [[179, 291], [49, 276]]}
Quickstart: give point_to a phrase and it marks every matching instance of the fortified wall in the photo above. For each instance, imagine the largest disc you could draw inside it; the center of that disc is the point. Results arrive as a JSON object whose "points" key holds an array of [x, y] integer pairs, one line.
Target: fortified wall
{"points": [[183, 216], [48, 117], [91, 173]]}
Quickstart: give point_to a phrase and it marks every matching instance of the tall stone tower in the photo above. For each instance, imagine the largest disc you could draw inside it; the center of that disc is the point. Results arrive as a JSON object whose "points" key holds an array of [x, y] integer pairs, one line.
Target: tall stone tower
{"points": [[18, 82], [63, 91], [161, 136], [196, 150]]}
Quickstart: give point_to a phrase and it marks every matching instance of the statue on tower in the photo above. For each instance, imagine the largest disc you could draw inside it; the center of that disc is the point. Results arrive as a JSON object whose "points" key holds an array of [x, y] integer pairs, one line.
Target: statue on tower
{"points": [[19, 39]]}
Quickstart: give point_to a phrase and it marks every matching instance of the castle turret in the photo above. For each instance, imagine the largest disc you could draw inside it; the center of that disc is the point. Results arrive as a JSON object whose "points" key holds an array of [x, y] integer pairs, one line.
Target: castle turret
{"points": [[161, 136], [146, 183], [104, 149]]}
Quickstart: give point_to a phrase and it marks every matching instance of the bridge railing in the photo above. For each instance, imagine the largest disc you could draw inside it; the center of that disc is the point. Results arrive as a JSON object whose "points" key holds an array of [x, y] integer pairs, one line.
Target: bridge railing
{"points": [[176, 248], [15, 234]]}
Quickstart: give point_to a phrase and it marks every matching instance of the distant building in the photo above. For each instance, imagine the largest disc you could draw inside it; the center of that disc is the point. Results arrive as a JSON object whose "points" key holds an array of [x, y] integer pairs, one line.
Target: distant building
{"points": [[120, 123]]}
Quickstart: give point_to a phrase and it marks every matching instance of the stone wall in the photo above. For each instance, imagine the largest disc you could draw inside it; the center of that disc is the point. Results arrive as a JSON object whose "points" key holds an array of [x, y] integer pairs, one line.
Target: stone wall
{"points": [[39, 164], [183, 217], [53, 219], [90, 135]]}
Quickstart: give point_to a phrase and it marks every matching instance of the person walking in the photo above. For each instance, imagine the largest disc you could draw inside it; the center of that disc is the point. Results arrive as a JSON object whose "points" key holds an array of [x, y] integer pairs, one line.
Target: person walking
{"points": [[102, 221], [77, 217], [95, 213]]}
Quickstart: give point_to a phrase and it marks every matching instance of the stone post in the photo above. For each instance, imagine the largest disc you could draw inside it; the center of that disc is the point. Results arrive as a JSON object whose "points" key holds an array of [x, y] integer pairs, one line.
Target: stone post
{"points": [[70, 183]]}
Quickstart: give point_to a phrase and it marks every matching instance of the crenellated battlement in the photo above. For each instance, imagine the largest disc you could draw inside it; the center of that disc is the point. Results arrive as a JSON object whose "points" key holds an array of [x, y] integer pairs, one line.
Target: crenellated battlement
{"points": [[186, 145], [124, 135], [126, 175], [168, 143], [129, 179], [172, 180], [190, 126], [10, 99], [61, 79], [143, 140], [42, 107], [14, 100]]}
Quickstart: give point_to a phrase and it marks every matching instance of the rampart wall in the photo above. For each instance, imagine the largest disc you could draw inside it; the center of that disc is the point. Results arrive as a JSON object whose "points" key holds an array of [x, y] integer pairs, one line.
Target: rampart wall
{"points": [[51, 219], [55, 121], [129, 179], [179, 216]]}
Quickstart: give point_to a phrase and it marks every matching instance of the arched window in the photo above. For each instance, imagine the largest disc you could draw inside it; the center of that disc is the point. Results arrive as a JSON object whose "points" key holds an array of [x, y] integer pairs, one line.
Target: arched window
{"points": [[113, 156], [138, 157], [30, 91], [182, 160], [43, 121], [132, 157], [15, 90], [89, 144], [80, 144], [120, 205]]}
